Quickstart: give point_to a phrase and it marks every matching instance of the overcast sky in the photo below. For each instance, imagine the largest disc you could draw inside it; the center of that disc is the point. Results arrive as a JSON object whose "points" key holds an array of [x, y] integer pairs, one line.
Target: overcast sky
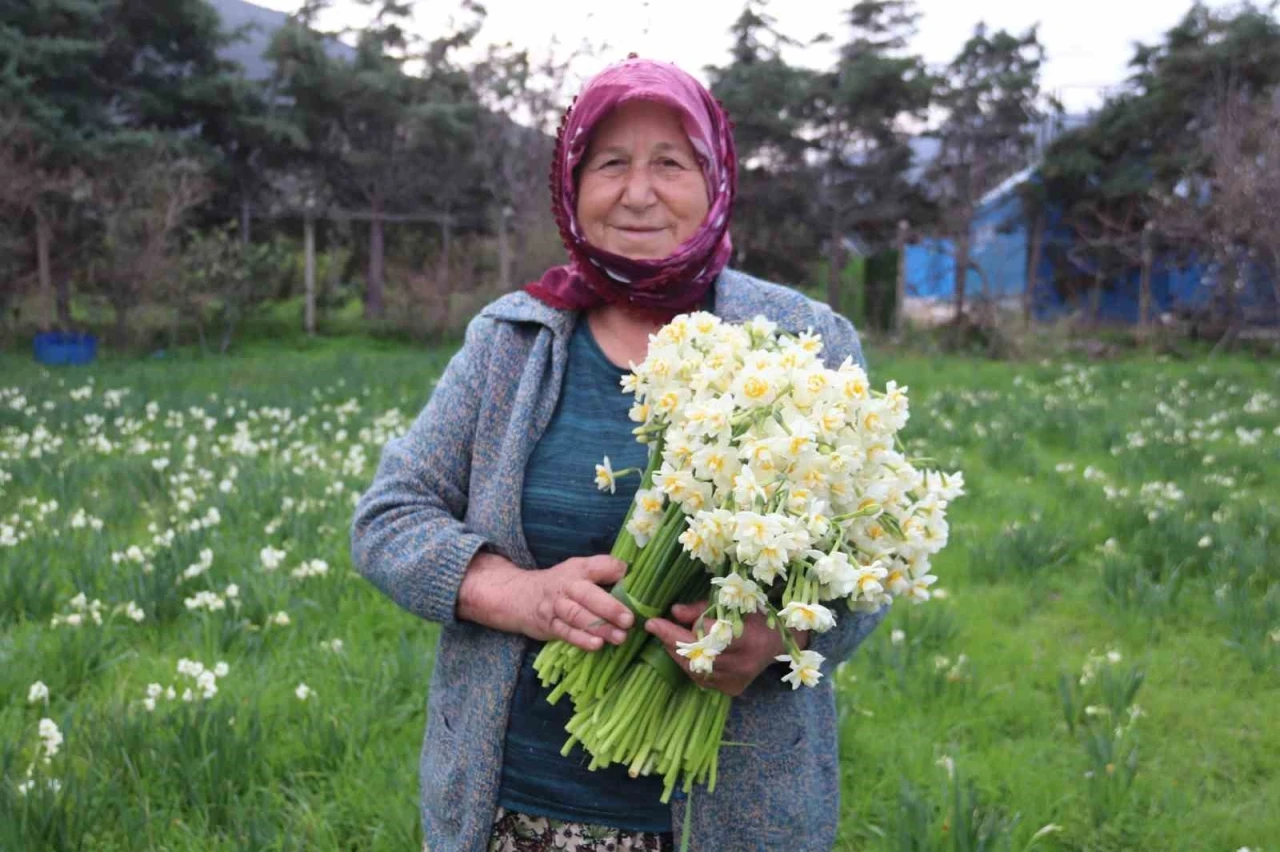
{"points": [[1088, 42]]}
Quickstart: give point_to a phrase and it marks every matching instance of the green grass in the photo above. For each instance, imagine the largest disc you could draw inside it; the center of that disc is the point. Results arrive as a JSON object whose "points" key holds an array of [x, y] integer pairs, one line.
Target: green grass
{"points": [[1045, 566]]}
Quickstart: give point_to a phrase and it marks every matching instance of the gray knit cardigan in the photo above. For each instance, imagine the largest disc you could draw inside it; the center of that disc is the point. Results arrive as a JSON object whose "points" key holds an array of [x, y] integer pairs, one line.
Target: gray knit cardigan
{"points": [[451, 486]]}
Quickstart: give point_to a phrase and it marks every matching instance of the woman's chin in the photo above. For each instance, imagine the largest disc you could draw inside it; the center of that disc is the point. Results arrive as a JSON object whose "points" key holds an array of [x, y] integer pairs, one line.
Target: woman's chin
{"points": [[642, 250]]}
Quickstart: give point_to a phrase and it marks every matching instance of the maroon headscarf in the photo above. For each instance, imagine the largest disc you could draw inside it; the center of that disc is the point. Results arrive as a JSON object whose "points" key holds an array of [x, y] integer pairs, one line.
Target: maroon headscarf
{"points": [[595, 277]]}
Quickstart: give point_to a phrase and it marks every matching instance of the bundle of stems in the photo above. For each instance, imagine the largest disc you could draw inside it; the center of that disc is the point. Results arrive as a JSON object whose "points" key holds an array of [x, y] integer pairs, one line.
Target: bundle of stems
{"points": [[655, 719], [656, 574]]}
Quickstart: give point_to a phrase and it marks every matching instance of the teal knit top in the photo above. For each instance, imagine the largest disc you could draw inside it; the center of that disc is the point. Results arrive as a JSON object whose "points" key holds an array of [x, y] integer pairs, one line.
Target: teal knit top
{"points": [[565, 515]]}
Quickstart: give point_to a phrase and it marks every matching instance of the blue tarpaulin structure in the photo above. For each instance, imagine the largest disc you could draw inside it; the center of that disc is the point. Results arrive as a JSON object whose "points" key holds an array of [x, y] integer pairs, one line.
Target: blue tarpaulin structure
{"points": [[1000, 250]]}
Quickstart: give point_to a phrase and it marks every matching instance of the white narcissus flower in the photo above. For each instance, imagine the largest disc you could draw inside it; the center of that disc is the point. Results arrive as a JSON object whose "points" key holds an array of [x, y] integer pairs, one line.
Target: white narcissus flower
{"points": [[605, 480], [806, 616], [836, 572], [720, 634], [919, 590], [50, 738], [642, 526], [271, 558], [739, 594], [806, 668], [701, 654]]}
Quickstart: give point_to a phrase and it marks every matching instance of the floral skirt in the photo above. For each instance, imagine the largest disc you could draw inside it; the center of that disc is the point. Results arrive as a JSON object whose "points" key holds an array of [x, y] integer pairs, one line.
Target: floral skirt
{"points": [[516, 832]]}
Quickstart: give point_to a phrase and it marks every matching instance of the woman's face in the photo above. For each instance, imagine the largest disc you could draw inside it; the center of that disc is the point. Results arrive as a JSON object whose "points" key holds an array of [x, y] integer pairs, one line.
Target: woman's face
{"points": [[641, 192]]}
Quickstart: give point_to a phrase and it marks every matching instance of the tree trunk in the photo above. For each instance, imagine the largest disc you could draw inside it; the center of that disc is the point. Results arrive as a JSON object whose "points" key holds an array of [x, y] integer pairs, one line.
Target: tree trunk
{"points": [[246, 220], [1144, 283], [373, 304], [504, 252], [442, 277], [1033, 270], [962, 270], [1095, 300], [309, 275], [63, 298], [121, 331], [833, 266], [43, 238], [900, 290]]}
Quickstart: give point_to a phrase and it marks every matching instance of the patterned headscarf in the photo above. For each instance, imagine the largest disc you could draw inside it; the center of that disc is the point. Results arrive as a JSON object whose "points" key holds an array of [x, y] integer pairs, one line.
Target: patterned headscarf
{"points": [[594, 276]]}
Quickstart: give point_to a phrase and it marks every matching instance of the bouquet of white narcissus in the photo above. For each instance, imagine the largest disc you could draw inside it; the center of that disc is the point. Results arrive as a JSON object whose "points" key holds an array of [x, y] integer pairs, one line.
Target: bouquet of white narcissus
{"points": [[775, 485]]}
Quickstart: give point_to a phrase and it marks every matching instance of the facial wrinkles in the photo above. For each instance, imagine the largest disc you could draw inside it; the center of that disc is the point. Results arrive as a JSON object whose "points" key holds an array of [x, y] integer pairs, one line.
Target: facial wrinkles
{"points": [[642, 192]]}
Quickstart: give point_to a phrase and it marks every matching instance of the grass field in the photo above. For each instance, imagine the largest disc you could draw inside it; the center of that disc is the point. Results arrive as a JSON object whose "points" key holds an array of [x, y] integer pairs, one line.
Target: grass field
{"points": [[1102, 674]]}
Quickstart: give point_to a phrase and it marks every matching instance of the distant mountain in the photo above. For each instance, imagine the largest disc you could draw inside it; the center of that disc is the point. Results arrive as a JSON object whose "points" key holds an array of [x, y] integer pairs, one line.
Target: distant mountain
{"points": [[251, 52]]}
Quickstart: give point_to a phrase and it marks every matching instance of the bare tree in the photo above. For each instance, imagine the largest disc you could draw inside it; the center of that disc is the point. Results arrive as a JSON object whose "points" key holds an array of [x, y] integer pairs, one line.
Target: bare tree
{"points": [[27, 188], [1227, 211], [140, 201]]}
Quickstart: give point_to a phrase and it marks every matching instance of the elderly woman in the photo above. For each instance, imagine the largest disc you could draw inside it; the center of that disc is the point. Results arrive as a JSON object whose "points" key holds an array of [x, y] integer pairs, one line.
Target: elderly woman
{"points": [[484, 518]]}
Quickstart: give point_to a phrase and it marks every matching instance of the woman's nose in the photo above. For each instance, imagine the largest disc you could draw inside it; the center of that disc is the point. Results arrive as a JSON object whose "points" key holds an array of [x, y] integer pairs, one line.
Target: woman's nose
{"points": [[637, 192]]}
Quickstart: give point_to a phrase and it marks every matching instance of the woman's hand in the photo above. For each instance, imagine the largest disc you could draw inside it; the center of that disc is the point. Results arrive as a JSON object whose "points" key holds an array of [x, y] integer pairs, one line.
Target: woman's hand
{"points": [[741, 663], [565, 601]]}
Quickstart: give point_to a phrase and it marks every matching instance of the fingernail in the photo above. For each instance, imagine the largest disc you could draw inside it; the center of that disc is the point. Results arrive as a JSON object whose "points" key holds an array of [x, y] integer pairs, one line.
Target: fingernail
{"points": [[627, 619], [619, 637]]}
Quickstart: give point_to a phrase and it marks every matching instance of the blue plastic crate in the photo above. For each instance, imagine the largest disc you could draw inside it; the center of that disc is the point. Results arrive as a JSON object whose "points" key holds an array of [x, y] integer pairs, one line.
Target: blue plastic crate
{"points": [[65, 347]]}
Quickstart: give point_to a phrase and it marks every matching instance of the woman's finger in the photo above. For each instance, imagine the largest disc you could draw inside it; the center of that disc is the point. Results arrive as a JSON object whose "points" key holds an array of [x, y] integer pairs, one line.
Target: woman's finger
{"points": [[669, 633], [584, 640], [688, 613], [601, 604], [578, 616]]}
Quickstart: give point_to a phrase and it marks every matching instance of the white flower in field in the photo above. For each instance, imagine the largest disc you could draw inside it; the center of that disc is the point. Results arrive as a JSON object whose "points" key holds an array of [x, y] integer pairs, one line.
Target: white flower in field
{"points": [[231, 592], [333, 645], [806, 668], [188, 696], [220, 668], [304, 692], [807, 616], [1205, 541], [25, 787], [280, 619], [947, 763], [1113, 657], [132, 611], [897, 637], [271, 558], [738, 593], [50, 738], [154, 691], [701, 654], [200, 566], [190, 668], [160, 463], [605, 480], [38, 692], [210, 601], [312, 568], [207, 683], [1275, 635]]}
